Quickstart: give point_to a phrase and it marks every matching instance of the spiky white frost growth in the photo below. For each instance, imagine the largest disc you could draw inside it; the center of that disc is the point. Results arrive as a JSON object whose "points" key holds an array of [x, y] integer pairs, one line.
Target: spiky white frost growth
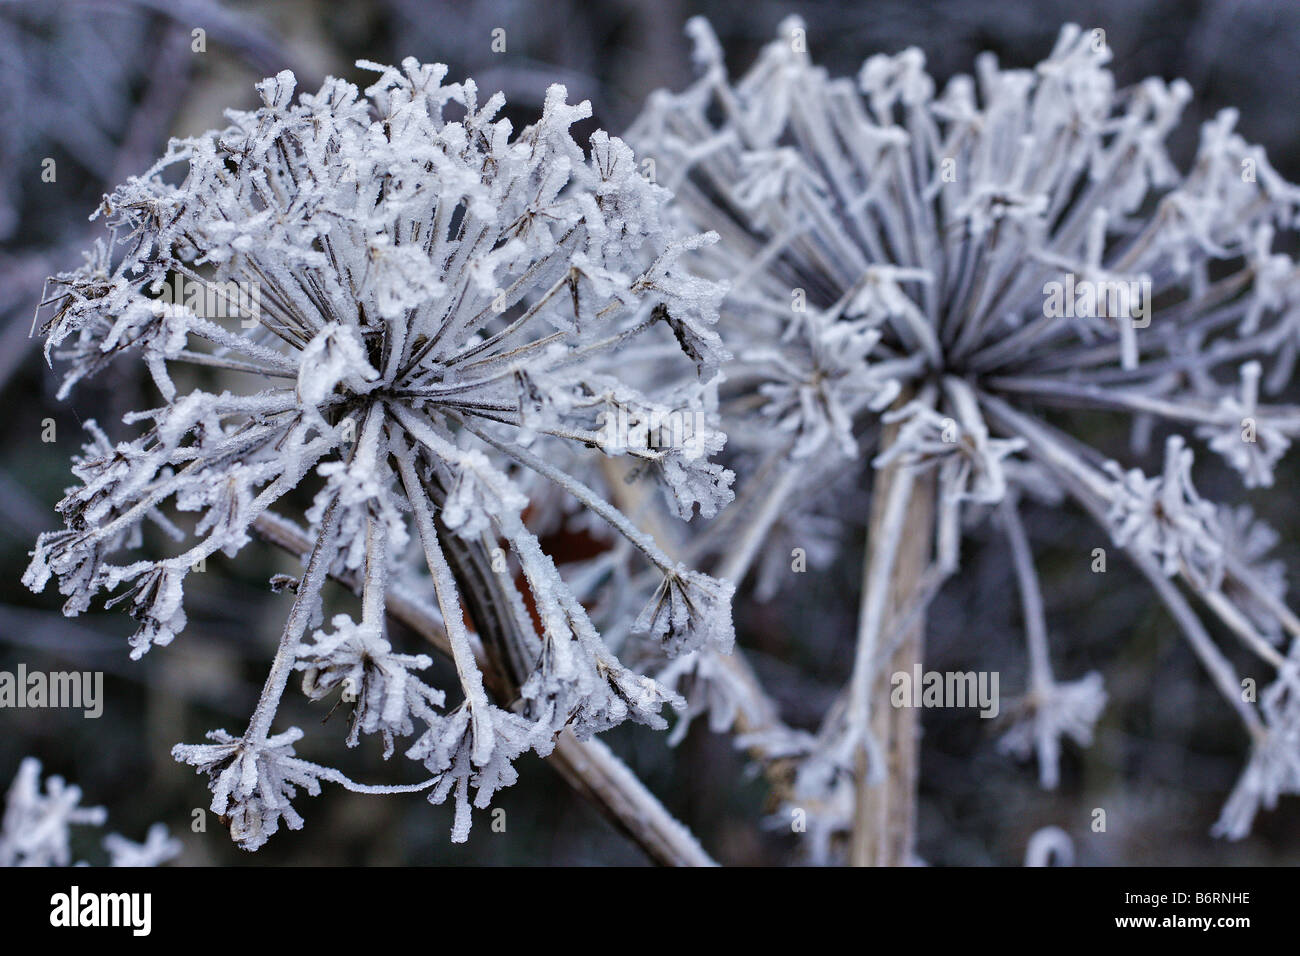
{"points": [[36, 829], [1165, 517], [884, 238], [420, 314], [360, 663], [1052, 712], [158, 847], [254, 778]]}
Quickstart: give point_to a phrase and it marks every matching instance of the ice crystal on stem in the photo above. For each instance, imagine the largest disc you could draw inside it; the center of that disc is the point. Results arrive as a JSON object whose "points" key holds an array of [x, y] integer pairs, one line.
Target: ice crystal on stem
{"points": [[1014, 241], [417, 312], [358, 660], [1251, 445], [255, 777]]}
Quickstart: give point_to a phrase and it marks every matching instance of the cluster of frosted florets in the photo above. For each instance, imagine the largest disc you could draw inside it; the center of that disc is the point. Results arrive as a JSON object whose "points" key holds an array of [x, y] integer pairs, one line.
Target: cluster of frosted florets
{"points": [[420, 313], [892, 245]]}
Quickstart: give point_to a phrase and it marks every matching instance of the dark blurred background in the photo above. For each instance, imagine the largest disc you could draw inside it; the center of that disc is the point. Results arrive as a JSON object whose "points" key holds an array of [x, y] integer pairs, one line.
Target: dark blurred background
{"points": [[99, 85]]}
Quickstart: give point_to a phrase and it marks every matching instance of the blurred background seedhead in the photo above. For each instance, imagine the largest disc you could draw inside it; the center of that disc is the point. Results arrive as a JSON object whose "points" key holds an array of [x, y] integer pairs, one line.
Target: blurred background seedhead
{"points": [[90, 90]]}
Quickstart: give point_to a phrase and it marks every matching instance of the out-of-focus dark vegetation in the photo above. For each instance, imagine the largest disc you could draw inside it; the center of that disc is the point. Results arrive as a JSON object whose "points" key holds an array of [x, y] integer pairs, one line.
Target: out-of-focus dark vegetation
{"points": [[99, 85]]}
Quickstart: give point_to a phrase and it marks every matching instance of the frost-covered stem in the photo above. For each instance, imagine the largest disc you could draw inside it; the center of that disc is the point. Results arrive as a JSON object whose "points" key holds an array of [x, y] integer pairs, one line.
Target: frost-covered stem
{"points": [[741, 556], [1212, 659], [588, 766], [594, 769], [1088, 489], [444, 587], [309, 587], [1105, 396], [758, 715], [1241, 626], [902, 512], [1031, 598], [585, 495], [1279, 609]]}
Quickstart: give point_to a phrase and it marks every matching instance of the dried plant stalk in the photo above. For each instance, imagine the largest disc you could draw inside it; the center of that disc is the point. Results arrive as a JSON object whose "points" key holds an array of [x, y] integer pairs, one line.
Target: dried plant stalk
{"points": [[884, 829]]}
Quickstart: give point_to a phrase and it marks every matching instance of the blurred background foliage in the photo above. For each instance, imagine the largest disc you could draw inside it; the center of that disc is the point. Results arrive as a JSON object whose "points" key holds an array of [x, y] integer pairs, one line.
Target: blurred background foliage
{"points": [[99, 85]]}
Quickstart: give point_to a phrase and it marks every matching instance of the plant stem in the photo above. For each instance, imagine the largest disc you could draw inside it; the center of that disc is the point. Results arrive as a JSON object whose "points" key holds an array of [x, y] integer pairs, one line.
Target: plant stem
{"points": [[898, 537], [588, 766], [259, 728]]}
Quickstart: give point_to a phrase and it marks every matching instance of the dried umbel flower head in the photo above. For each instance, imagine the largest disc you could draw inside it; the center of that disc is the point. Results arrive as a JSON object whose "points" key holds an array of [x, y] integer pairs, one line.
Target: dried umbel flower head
{"points": [[966, 257], [419, 314]]}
